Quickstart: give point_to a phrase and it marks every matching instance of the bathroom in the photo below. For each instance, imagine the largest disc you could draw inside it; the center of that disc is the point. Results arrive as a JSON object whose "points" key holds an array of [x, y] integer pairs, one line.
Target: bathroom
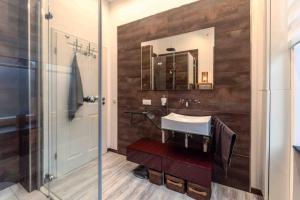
{"points": [[140, 99]]}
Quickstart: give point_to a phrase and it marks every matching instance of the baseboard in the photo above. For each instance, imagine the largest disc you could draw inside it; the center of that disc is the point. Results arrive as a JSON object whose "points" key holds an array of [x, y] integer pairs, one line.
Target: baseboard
{"points": [[112, 150], [256, 191]]}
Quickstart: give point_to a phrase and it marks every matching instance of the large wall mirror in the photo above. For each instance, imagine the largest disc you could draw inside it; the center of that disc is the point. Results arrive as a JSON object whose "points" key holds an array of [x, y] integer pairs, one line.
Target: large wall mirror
{"points": [[180, 62]]}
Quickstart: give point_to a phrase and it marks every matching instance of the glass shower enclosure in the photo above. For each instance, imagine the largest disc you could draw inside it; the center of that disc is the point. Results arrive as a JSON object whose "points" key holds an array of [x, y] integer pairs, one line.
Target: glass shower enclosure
{"points": [[49, 110], [70, 94]]}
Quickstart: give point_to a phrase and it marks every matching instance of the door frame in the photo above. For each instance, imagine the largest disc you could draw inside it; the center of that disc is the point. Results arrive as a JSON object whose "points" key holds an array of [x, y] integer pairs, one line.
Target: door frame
{"points": [[104, 113]]}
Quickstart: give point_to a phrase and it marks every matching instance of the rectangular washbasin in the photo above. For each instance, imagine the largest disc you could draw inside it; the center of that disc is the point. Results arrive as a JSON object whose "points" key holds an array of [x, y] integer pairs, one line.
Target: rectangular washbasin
{"points": [[199, 125]]}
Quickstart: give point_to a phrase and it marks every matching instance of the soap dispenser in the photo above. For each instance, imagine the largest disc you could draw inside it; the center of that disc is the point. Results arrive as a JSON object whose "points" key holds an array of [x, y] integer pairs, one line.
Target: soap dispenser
{"points": [[163, 100]]}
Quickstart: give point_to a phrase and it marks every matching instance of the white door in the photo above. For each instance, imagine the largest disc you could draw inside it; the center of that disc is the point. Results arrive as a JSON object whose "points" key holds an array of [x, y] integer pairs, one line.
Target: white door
{"points": [[76, 140]]}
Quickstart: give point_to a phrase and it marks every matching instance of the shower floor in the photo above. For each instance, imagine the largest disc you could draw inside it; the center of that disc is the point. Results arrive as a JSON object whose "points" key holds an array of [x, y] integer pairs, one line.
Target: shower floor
{"points": [[120, 184], [80, 184], [17, 192]]}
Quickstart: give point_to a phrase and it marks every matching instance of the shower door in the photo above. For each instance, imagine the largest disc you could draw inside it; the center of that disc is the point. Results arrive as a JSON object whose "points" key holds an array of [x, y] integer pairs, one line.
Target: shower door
{"points": [[75, 140], [71, 99]]}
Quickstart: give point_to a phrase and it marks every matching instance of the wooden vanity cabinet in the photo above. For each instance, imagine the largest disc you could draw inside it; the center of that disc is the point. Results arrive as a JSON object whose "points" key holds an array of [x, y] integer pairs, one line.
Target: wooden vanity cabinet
{"points": [[148, 153], [190, 165]]}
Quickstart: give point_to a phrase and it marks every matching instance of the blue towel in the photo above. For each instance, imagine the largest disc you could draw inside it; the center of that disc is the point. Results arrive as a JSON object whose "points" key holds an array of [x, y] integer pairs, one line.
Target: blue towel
{"points": [[75, 100]]}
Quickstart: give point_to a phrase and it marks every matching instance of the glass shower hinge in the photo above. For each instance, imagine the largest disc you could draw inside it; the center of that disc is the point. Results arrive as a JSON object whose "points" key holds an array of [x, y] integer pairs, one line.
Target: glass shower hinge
{"points": [[48, 178]]}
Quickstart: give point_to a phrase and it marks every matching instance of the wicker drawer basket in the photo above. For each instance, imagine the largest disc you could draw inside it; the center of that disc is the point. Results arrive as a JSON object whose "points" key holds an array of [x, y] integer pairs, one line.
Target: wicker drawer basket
{"points": [[155, 177], [176, 184], [198, 192]]}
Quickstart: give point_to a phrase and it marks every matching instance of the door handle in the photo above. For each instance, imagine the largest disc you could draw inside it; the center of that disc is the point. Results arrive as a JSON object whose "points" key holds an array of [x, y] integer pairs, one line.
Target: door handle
{"points": [[90, 99], [103, 100]]}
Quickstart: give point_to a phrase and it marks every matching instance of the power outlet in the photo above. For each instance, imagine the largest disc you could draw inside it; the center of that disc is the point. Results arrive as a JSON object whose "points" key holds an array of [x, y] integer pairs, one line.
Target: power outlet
{"points": [[147, 102]]}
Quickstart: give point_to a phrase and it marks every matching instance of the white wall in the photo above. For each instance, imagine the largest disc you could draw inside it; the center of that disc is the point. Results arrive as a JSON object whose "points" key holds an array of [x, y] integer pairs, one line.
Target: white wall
{"points": [[81, 22], [295, 171], [280, 102], [260, 97], [296, 88], [122, 12], [106, 77]]}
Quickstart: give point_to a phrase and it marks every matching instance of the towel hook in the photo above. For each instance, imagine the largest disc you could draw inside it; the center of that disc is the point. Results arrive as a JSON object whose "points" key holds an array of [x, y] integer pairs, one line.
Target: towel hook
{"points": [[76, 45], [89, 49]]}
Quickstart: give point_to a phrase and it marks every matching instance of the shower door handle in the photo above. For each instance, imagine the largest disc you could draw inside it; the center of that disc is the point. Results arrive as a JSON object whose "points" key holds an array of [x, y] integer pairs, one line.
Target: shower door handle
{"points": [[103, 101]]}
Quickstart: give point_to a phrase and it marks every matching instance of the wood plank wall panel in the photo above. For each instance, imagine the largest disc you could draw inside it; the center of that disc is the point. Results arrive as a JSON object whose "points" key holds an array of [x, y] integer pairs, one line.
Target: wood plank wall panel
{"points": [[9, 158], [14, 99], [231, 97], [13, 50], [13, 24]]}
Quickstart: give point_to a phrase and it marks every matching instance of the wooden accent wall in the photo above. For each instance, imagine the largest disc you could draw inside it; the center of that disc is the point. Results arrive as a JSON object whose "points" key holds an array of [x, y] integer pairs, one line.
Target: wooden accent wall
{"points": [[14, 99], [9, 153], [231, 97]]}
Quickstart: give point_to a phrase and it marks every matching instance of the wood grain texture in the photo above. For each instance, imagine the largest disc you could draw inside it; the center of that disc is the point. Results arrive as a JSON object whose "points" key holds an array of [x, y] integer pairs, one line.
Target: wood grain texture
{"points": [[9, 158], [120, 183], [231, 97], [15, 143]]}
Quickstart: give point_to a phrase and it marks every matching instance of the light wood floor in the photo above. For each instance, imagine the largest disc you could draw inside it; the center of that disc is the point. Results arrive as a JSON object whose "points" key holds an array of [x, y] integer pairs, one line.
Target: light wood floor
{"points": [[17, 192], [118, 184]]}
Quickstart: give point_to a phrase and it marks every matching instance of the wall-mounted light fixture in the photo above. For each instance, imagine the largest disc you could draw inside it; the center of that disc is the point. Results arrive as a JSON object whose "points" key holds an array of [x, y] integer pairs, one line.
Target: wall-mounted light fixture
{"points": [[204, 77]]}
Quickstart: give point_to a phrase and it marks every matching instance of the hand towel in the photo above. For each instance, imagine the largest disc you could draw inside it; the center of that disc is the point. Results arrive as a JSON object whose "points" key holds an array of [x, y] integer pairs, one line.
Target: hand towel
{"points": [[75, 100], [223, 140]]}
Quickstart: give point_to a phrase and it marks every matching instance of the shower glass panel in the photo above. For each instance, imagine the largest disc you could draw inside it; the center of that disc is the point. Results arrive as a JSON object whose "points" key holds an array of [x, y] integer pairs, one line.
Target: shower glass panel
{"points": [[71, 99], [174, 71]]}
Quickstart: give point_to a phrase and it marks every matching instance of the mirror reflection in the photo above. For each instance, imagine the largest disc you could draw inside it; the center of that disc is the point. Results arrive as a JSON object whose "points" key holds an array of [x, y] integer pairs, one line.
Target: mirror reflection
{"points": [[180, 62]]}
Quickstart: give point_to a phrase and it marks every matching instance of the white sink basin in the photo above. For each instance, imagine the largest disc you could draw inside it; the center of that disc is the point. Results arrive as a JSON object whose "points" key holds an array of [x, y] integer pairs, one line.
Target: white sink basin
{"points": [[187, 124]]}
